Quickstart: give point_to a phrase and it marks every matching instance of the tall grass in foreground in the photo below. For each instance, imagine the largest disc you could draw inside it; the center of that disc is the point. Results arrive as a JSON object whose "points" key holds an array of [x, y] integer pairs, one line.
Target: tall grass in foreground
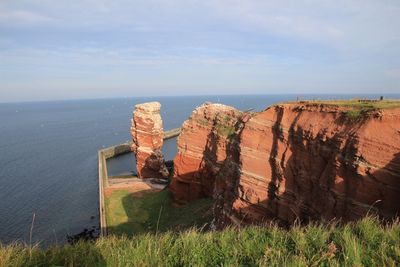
{"points": [[364, 243]]}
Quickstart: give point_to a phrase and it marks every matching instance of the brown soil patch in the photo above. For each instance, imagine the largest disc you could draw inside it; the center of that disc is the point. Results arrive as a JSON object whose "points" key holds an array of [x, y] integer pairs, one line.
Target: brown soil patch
{"points": [[136, 187]]}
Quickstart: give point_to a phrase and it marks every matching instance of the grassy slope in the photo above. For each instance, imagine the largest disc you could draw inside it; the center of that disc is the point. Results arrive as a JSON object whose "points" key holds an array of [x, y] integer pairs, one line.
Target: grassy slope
{"points": [[135, 214], [355, 109], [365, 243], [353, 103], [384, 104]]}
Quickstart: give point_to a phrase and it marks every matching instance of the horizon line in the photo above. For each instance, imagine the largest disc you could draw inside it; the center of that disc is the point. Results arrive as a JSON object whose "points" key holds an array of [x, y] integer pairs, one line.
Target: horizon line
{"points": [[202, 95]]}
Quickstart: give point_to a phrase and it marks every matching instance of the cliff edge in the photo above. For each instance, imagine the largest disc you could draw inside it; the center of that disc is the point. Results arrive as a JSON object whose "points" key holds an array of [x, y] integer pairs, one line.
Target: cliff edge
{"points": [[202, 151], [307, 161]]}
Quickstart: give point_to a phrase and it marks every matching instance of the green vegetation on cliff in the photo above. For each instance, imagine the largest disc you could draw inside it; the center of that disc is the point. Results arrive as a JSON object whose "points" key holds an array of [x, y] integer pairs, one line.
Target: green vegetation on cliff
{"points": [[355, 109], [364, 104], [365, 243], [359, 108]]}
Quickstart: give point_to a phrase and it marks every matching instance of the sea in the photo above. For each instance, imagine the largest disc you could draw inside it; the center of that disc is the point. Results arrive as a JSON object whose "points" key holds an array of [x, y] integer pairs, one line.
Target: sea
{"points": [[48, 157]]}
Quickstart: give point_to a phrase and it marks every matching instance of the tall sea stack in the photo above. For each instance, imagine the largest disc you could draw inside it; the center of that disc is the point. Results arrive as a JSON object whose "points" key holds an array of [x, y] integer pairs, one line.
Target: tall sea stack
{"points": [[147, 135]]}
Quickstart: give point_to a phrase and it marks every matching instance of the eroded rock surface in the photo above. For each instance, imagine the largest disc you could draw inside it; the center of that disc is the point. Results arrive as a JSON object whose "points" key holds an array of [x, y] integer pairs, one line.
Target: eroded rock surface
{"points": [[313, 163], [292, 161], [147, 135], [202, 150]]}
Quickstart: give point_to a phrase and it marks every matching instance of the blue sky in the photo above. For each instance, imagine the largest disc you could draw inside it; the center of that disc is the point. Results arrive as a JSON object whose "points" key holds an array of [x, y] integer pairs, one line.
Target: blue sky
{"points": [[111, 48]]}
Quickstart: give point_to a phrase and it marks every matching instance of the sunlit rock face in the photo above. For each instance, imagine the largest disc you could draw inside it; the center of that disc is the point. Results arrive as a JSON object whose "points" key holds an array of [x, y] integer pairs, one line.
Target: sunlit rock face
{"points": [[202, 150], [291, 161], [311, 162], [147, 135]]}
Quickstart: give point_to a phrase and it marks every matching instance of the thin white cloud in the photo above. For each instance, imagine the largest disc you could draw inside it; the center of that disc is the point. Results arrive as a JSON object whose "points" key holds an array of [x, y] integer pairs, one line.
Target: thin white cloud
{"points": [[345, 24], [23, 17], [286, 44], [97, 57]]}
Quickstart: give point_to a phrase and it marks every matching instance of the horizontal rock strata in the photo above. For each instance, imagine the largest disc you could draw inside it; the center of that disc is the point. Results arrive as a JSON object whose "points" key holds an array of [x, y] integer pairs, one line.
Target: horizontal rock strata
{"points": [[313, 163], [147, 135], [292, 161], [202, 149]]}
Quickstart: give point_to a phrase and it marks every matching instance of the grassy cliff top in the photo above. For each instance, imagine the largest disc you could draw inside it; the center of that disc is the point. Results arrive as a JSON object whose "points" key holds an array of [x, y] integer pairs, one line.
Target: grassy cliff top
{"points": [[353, 109], [354, 103]]}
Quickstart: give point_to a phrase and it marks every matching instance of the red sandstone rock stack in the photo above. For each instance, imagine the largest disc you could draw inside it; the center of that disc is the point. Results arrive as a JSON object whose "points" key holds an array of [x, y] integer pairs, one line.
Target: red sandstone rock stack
{"points": [[147, 135], [202, 149], [302, 160]]}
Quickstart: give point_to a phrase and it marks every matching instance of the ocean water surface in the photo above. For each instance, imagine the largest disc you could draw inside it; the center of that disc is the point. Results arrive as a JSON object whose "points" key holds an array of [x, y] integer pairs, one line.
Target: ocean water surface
{"points": [[48, 157]]}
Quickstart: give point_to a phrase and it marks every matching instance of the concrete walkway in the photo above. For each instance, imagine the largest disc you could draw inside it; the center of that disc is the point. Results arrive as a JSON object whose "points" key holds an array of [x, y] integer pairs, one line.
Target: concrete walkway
{"points": [[131, 182]]}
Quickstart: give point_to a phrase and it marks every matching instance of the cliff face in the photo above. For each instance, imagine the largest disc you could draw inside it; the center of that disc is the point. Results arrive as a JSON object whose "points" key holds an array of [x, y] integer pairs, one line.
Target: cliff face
{"points": [[311, 162], [306, 161], [147, 135], [202, 150]]}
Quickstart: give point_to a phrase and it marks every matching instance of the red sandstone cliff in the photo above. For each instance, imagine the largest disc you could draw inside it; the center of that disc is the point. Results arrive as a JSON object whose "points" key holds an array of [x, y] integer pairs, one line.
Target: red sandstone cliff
{"points": [[147, 135], [202, 151], [312, 162], [306, 161]]}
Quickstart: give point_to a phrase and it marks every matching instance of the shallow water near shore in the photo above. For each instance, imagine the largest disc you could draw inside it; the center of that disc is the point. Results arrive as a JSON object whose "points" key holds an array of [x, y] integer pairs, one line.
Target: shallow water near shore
{"points": [[48, 159]]}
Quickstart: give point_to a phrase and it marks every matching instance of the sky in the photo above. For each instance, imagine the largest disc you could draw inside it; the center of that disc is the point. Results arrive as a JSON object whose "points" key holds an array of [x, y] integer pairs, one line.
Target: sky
{"points": [[71, 49]]}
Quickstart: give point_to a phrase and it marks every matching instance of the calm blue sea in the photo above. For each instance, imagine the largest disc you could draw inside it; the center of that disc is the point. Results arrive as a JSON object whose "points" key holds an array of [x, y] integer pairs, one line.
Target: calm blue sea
{"points": [[48, 157]]}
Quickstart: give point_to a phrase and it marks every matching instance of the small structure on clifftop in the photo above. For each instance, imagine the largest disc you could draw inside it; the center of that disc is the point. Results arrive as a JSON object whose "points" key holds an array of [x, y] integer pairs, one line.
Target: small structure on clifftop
{"points": [[147, 135]]}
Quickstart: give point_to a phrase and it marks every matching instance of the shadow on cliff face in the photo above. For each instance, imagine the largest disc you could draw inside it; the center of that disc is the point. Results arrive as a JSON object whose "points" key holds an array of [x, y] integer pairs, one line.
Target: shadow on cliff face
{"points": [[322, 205], [218, 170], [309, 175], [321, 180], [154, 166], [201, 181], [209, 168], [226, 186], [388, 180], [277, 135]]}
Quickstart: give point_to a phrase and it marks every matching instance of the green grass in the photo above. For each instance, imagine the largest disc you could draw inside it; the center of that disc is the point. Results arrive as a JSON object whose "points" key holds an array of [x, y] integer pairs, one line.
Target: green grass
{"points": [[203, 122], [384, 104], [354, 103], [356, 114], [365, 243], [355, 109], [152, 212], [225, 130]]}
